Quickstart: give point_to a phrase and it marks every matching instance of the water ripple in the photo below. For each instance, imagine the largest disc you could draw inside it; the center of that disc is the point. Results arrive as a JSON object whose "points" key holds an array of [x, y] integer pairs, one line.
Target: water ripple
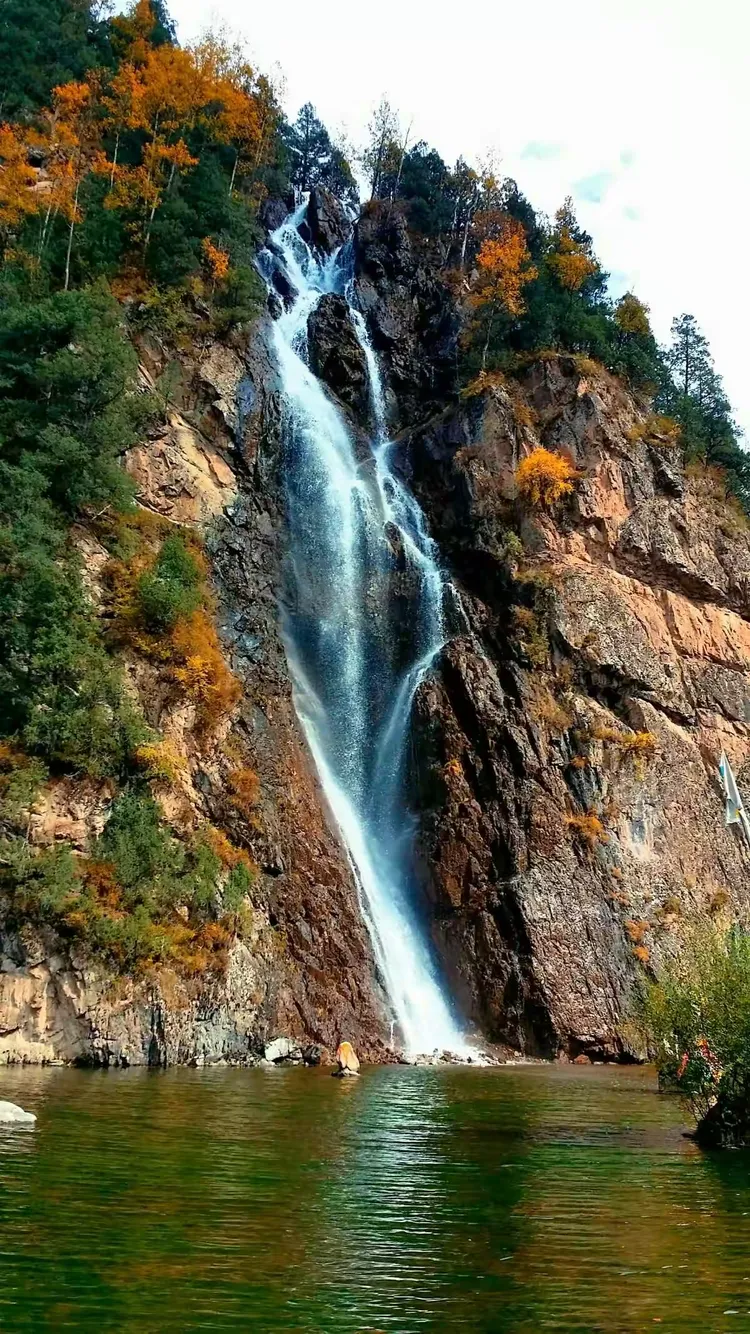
{"points": [[416, 1199]]}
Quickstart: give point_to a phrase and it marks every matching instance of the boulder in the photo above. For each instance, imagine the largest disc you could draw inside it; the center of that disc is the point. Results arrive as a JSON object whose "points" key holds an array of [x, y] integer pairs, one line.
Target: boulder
{"points": [[336, 354], [348, 1061], [273, 212], [10, 1113], [328, 226], [726, 1125], [282, 1050]]}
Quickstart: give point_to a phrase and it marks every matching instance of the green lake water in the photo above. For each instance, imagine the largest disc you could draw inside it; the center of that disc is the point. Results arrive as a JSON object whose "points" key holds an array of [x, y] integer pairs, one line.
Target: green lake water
{"points": [[518, 1199]]}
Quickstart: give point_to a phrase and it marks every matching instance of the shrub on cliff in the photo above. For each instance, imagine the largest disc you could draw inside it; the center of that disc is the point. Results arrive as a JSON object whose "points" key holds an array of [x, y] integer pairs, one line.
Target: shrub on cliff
{"points": [[543, 479], [172, 588], [696, 1019]]}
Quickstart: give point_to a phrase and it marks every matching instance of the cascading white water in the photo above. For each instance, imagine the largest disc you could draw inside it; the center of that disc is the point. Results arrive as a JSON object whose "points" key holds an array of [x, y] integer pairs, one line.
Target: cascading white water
{"points": [[354, 530]]}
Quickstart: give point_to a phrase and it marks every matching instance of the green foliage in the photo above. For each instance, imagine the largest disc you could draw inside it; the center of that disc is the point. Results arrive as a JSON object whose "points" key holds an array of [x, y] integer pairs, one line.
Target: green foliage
{"points": [[238, 885], [20, 780], [44, 43], [171, 589], [145, 858], [239, 299], [67, 411], [696, 1018], [692, 392], [43, 883], [423, 185], [144, 897]]}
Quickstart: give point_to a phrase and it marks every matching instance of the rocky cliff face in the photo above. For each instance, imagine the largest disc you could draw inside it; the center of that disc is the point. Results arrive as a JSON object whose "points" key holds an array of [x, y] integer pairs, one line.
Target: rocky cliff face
{"points": [[567, 747], [564, 747], [305, 971]]}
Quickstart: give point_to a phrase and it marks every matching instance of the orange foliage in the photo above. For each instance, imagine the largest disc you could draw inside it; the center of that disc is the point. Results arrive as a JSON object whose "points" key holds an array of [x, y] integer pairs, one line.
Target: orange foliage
{"points": [[244, 786], [543, 478], [225, 850], [641, 953], [636, 930], [100, 877], [201, 671], [505, 268], [587, 829], [216, 259], [18, 199]]}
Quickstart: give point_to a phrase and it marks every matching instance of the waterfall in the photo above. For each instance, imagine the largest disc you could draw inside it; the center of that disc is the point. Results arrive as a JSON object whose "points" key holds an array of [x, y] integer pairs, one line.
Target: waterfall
{"points": [[356, 536]]}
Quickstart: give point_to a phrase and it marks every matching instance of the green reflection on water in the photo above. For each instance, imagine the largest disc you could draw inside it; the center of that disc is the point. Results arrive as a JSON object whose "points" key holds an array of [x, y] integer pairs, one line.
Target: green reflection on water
{"points": [[518, 1199]]}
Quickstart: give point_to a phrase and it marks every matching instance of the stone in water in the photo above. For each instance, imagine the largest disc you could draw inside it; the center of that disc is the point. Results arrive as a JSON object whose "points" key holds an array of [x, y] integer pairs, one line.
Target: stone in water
{"points": [[347, 1059], [9, 1112]]}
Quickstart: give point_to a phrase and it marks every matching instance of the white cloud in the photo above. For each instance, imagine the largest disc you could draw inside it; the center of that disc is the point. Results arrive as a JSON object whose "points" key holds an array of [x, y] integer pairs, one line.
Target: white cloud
{"points": [[654, 93]]}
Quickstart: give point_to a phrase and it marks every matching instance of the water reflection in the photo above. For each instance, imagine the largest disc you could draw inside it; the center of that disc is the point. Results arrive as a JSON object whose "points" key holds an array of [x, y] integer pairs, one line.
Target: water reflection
{"points": [[409, 1200]]}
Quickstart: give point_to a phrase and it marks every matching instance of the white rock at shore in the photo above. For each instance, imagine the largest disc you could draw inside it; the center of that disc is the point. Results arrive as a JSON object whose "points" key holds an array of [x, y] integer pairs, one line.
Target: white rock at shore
{"points": [[9, 1112]]}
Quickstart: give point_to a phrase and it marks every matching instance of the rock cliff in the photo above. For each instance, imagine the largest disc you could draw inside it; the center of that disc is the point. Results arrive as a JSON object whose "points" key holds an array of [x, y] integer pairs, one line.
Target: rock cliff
{"points": [[565, 745], [305, 970]]}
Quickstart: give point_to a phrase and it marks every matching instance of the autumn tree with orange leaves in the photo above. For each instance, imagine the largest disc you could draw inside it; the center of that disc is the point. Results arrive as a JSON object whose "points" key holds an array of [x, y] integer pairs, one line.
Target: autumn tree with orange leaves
{"points": [[505, 268]]}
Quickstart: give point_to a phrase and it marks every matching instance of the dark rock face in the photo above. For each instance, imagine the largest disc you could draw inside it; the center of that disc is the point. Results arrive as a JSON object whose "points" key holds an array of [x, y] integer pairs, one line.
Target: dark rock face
{"points": [[327, 223], [336, 356], [637, 593], [410, 313], [273, 211]]}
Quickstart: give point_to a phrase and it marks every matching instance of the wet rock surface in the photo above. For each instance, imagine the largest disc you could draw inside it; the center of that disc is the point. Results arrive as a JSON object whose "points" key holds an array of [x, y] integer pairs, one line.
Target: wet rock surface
{"points": [[327, 225], [336, 355], [410, 313]]}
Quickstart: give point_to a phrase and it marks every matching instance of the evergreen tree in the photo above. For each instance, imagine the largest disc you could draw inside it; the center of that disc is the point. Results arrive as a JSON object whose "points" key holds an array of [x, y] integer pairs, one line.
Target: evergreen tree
{"points": [[44, 43], [310, 149], [424, 185], [688, 358]]}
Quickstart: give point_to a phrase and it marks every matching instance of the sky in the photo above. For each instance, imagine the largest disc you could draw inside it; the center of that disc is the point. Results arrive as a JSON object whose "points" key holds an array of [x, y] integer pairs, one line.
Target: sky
{"points": [[640, 109]]}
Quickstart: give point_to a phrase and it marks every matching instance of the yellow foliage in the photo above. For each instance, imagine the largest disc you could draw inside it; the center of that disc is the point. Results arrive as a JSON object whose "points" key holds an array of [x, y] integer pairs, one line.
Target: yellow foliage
{"points": [[662, 430], [200, 669], [641, 953], [548, 710], [569, 259], [531, 635], [160, 761], [631, 315], [587, 829], [642, 744], [483, 381], [638, 745], [544, 478], [587, 365], [244, 788]]}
